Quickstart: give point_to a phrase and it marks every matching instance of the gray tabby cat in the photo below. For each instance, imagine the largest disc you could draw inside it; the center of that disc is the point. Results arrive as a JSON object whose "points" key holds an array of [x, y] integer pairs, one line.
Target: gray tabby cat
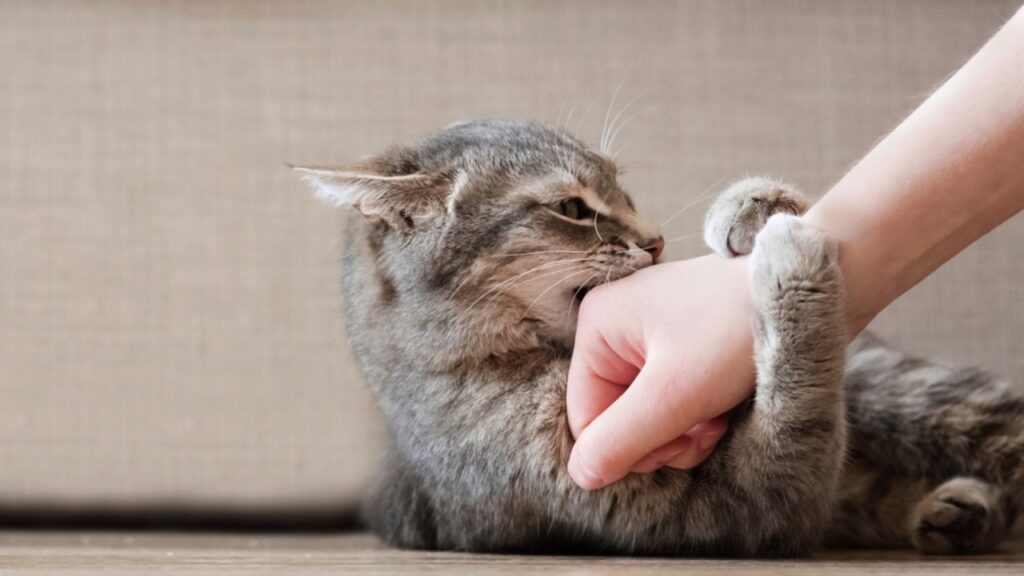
{"points": [[461, 281]]}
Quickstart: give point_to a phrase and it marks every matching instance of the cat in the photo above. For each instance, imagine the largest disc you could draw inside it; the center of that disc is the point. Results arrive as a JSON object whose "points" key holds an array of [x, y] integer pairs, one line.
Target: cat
{"points": [[466, 259]]}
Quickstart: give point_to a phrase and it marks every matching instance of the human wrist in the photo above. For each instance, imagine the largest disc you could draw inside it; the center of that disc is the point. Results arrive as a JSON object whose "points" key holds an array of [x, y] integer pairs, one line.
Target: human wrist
{"points": [[862, 300], [864, 273]]}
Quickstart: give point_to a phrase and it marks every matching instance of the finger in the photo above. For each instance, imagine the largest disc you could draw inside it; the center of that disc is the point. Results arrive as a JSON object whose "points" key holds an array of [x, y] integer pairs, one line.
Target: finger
{"points": [[706, 435], [652, 411], [587, 396], [598, 374], [666, 453], [701, 437], [690, 458]]}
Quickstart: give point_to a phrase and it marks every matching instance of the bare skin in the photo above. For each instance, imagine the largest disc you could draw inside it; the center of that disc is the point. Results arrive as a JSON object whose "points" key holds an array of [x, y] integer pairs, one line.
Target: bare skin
{"points": [[661, 354]]}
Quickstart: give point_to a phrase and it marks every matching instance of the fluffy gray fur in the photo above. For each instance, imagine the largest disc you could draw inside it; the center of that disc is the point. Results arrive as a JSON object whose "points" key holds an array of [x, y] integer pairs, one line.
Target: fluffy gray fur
{"points": [[461, 277]]}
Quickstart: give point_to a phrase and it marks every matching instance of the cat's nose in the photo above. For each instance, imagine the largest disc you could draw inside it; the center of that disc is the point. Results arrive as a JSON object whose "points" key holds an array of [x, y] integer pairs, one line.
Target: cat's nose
{"points": [[655, 247]]}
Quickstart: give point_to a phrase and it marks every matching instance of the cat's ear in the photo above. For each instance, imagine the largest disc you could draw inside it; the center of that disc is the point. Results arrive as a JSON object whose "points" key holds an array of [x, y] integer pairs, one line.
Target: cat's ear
{"points": [[402, 201]]}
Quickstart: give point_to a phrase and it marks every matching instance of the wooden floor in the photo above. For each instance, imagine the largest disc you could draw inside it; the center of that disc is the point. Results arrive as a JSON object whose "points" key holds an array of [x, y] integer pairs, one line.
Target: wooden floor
{"points": [[218, 554]]}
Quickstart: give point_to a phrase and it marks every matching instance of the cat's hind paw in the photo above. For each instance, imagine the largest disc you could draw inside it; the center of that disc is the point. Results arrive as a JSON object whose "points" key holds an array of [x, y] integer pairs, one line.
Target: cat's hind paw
{"points": [[961, 516], [740, 212]]}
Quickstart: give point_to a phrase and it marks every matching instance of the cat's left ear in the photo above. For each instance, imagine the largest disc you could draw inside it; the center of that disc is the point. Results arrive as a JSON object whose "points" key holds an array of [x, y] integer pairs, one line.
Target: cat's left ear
{"points": [[401, 201]]}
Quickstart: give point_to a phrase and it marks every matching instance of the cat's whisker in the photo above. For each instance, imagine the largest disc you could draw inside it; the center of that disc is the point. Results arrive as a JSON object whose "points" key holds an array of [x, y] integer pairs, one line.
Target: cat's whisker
{"points": [[615, 133], [535, 278], [570, 157], [613, 129], [511, 282], [543, 252], [550, 288], [497, 293], [683, 237], [534, 269], [607, 115], [689, 204], [537, 268]]}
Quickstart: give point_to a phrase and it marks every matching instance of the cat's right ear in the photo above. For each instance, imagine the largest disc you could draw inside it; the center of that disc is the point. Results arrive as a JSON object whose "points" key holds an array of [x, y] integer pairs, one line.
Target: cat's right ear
{"points": [[401, 201]]}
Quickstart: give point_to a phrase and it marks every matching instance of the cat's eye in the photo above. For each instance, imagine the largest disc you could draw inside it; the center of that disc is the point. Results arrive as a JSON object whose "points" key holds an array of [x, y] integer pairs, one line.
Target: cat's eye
{"points": [[574, 208]]}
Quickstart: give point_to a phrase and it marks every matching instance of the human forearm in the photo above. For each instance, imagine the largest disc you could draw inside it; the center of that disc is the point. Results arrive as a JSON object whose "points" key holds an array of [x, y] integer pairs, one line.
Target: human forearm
{"points": [[952, 171]]}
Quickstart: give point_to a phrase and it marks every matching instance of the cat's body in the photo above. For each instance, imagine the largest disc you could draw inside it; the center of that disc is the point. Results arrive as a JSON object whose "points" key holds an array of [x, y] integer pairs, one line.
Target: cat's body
{"points": [[469, 364]]}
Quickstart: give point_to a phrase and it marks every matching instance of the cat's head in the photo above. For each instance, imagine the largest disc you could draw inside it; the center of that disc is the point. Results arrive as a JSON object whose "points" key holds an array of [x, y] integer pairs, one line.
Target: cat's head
{"points": [[496, 222]]}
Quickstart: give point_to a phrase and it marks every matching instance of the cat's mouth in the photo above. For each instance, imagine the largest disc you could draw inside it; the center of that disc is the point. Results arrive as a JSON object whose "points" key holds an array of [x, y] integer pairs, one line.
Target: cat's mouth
{"points": [[580, 292]]}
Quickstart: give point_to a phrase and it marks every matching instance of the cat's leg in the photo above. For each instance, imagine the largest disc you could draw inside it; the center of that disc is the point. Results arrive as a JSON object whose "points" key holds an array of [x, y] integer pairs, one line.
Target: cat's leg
{"points": [[777, 472], [740, 212]]}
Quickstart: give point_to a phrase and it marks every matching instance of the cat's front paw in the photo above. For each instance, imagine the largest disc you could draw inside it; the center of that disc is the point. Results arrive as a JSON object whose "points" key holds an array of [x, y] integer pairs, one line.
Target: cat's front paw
{"points": [[740, 212], [962, 516], [792, 257]]}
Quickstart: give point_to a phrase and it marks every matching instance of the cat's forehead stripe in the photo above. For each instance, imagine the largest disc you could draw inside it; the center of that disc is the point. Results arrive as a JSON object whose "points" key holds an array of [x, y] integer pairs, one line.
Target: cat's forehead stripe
{"points": [[457, 186]]}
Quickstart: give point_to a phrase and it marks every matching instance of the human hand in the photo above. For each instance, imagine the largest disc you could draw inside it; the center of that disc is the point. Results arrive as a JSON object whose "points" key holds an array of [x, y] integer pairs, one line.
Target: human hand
{"points": [[660, 356]]}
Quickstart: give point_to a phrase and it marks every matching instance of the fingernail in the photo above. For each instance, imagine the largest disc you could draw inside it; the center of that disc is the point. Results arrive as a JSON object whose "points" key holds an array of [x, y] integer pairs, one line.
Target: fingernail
{"points": [[584, 476]]}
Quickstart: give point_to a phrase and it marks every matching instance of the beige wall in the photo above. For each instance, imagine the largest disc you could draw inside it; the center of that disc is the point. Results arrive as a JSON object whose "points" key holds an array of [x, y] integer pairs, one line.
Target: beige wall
{"points": [[168, 323]]}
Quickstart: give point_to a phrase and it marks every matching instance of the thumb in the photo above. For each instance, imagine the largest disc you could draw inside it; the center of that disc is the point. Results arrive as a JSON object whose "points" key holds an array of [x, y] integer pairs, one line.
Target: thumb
{"points": [[653, 411]]}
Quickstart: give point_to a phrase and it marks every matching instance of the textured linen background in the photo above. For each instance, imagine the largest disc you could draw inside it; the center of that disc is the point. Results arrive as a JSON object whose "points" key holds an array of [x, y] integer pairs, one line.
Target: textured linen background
{"points": [[169, 330]]}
